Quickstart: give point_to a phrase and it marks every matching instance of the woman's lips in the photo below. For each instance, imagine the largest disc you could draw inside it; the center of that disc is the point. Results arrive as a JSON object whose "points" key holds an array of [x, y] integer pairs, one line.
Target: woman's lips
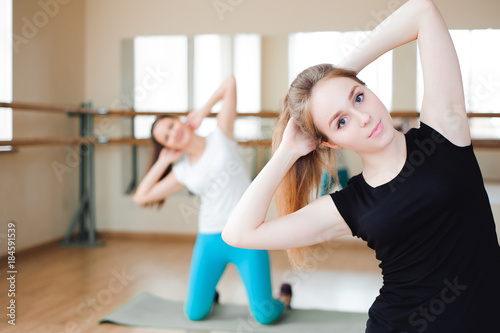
{"points": [[376, 131]]}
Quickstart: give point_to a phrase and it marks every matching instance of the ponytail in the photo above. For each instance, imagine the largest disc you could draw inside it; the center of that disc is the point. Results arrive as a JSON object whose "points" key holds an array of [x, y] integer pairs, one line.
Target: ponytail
{"points": [[302, 182]]}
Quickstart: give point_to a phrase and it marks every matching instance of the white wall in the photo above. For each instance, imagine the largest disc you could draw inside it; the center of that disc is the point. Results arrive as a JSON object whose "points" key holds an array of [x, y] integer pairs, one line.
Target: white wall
{"points": [[76, 56], [48, 65]]}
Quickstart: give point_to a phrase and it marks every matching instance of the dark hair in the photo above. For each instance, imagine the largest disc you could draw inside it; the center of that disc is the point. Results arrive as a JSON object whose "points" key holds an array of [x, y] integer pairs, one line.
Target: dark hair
{"points": [[157, 147]]}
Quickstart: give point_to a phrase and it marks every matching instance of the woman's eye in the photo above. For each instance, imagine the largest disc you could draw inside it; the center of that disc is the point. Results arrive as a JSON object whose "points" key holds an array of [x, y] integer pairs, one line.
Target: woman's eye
{"points": [[171, 125], [341, 123], [359, 98]]}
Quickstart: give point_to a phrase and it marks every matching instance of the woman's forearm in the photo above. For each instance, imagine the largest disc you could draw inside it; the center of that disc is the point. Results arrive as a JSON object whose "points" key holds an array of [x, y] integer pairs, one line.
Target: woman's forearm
{"points": [[150, 179], [400, 28], [219, 94], [226, 116], [252, 208]]}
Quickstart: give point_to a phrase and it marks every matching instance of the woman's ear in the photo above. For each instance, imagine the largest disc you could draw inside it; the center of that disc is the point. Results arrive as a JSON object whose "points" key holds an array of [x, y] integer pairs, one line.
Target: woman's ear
{"points": [[330, 145]]}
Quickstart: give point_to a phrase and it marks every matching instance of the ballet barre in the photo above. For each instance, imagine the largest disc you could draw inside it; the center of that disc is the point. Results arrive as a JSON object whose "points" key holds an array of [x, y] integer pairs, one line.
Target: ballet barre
{"points": [[102, 140], [74, 110], [68, 109], [89, 138], [83, 222]]}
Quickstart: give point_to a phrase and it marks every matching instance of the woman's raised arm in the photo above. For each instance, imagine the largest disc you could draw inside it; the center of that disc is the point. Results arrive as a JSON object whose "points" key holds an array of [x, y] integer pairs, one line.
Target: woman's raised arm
{"points": [[226, 116], [315, 223], [151, 189], [443, 105]]}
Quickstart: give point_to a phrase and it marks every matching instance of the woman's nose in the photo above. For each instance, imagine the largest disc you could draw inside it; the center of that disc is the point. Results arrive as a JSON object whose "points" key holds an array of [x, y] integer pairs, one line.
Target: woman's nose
{"points": [[364, 118], [172, 129]]}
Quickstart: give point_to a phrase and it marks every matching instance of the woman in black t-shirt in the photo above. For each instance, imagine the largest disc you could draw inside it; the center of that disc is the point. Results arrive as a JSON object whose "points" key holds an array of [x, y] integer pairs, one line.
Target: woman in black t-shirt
{"points": [[419, 202]]}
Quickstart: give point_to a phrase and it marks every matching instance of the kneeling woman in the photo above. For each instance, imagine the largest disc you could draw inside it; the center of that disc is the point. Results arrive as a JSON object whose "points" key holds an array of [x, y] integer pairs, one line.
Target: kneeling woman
{"points": [[213, 169]]}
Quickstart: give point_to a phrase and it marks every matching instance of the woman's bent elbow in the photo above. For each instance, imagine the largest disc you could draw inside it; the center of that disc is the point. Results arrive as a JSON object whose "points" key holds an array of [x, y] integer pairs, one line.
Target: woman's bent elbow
{"points": [[138, 200], [231, 237]]}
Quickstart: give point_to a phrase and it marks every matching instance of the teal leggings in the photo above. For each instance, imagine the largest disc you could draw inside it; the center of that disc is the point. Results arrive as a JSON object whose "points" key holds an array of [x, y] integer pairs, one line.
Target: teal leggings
{"points": [[210, 257]]}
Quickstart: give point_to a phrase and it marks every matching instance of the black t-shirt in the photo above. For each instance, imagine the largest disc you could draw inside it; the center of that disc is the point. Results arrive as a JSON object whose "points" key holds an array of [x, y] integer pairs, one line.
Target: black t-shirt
{"points": [[433, 231]]}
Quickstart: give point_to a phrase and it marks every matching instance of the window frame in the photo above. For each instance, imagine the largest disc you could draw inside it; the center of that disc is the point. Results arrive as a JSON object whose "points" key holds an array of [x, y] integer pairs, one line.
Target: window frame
{"points": [[6, 72]]}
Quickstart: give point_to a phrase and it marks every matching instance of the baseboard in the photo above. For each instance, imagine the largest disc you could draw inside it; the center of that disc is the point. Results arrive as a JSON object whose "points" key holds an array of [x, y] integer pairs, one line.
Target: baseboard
{"points": [[110, 235], [35, 248], [146, 236], [161, 237]]}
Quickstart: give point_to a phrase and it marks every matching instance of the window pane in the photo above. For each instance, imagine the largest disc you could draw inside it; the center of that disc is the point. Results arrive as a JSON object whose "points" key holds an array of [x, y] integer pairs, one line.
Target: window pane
{"points": [[313, 48], [216, 57], [247, 71], [484, 95], [478, 55], [6, 68], [211, 59], [307, 49], [209, 52], [160, 74]]}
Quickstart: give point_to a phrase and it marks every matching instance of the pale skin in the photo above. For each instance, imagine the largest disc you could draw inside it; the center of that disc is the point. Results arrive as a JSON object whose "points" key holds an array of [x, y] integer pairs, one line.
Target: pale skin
{"points": [[178, 137], [352, 117]]}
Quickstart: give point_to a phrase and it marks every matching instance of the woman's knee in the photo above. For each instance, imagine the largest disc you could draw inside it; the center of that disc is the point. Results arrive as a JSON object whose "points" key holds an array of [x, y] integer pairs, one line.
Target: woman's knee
{"points": [[195, 313], [267, 312]]}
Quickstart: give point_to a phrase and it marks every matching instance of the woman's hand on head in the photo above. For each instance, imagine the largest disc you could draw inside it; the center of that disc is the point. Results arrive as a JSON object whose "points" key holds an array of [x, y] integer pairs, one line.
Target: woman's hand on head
{"points": [[169, 155], [297, 141], [195, 117]]}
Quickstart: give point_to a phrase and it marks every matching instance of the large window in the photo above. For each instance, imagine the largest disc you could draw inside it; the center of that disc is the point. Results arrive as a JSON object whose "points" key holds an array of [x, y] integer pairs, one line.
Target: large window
{"points": [[311, 48], [479, 53], [191, 69], [161, 78], [5, 68], [215, 57]]}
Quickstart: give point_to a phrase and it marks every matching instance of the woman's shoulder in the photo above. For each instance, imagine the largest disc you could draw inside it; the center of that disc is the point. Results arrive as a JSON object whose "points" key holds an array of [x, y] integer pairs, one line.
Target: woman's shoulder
{"points": [[431, 136], [352, 185], [218, 135]]}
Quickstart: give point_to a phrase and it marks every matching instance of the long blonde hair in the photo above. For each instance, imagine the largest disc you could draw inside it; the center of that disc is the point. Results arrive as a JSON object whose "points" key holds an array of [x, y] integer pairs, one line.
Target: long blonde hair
{"points": [[302, 181]]}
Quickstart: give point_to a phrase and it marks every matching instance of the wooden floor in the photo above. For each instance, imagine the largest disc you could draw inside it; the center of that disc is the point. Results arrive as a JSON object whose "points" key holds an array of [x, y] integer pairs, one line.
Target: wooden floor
{"points": [[68, 289]]}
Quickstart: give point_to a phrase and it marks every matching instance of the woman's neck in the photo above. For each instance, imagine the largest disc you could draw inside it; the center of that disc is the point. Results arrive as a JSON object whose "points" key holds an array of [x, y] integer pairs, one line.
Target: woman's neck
{"points": [[384, 165], [195, 148]]}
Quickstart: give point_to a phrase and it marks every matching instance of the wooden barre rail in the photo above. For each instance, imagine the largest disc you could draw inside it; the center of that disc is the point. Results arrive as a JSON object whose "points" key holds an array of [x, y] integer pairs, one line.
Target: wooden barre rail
{"points": [[51, 108], [23, 106], [62, 109], [142, 142], [58, 141], [48, 141], [61, 141]]}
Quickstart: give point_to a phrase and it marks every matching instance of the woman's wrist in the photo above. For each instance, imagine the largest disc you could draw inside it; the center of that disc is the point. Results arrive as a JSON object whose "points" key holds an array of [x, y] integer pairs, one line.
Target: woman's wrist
{"points": [[204, 110], [287, 155], [165, 161]]}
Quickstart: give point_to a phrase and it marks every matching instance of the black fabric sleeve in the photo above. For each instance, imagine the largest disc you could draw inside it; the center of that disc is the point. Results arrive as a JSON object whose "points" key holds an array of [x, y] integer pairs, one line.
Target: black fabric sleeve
{"points": [[343, 200], [427, 132]]}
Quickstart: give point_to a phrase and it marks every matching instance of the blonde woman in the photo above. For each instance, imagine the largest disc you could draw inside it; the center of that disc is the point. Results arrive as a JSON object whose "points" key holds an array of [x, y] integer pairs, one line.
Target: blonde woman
{"points": [[419, 202]]}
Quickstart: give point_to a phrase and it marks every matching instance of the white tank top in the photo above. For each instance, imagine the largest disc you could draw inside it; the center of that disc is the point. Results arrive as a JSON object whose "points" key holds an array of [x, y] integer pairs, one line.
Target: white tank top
{"points": [[219, 178]]}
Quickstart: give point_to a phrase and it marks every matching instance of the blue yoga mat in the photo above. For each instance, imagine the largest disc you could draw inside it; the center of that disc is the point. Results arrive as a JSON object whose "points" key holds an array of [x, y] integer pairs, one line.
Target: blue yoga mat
{"points": [[148, 310]]}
